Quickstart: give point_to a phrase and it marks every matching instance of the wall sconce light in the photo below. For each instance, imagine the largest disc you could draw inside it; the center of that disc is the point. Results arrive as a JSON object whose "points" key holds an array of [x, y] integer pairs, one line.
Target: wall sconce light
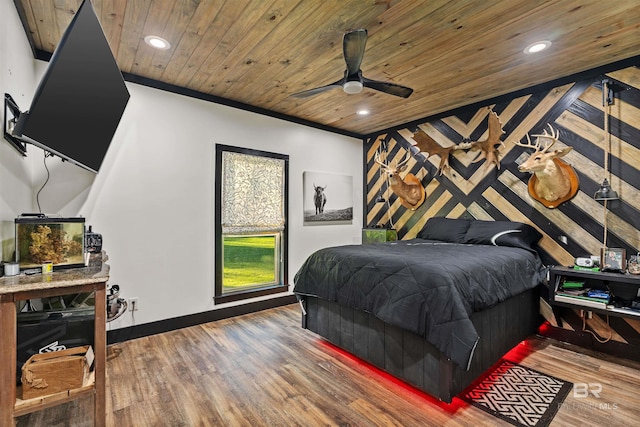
{"points": [[383, 148], [605, 192], [380, 199]]}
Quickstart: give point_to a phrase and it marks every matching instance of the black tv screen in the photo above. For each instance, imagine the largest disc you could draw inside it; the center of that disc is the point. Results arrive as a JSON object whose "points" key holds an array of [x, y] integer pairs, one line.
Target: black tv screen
{"points": [[81, 98]]}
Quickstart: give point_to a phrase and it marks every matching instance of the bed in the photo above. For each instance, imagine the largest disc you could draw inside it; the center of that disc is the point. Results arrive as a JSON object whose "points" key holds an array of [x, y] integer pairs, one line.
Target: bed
{"points": [[435, 311]]}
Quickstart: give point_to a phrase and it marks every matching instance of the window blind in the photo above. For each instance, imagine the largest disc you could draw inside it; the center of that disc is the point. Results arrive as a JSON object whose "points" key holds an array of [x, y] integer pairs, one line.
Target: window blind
{"points": [[252, 193]]}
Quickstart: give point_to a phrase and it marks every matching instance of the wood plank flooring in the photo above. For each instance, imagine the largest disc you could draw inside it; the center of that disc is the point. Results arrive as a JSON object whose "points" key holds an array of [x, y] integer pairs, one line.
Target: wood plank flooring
{"points": [[262, 369]]}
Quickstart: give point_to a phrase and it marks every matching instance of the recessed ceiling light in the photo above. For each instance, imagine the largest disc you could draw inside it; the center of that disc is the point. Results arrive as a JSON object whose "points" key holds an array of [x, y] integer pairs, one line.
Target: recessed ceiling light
{"points": [[537, 46], [363, 112], [157, 42]]}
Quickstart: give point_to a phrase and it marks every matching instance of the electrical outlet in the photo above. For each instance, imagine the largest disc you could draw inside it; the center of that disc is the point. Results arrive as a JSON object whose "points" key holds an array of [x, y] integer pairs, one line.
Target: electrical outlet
{"points": [[133, 304]]}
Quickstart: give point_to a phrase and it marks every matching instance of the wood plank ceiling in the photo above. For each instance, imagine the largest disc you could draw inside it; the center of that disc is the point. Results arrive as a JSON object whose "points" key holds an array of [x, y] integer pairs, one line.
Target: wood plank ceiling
{"points": [[259, 52]]}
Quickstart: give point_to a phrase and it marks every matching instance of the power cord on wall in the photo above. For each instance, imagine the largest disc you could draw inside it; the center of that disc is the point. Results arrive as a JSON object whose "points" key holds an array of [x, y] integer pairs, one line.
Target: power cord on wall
{"points": [[385, 149], [597, 338], [46, 154], [391, 224]]}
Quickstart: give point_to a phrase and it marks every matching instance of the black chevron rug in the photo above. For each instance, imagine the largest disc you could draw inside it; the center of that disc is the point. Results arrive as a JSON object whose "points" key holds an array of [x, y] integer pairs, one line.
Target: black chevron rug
{"points": [[519, 395]]}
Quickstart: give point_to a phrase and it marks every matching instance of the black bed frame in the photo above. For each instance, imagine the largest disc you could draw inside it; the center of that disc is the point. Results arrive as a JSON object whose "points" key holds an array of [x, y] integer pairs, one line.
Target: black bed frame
{"points": [[410, 357]]}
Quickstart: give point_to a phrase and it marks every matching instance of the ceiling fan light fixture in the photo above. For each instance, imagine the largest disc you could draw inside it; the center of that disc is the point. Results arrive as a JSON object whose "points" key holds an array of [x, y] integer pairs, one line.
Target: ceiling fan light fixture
{"points": [[352, 87]]}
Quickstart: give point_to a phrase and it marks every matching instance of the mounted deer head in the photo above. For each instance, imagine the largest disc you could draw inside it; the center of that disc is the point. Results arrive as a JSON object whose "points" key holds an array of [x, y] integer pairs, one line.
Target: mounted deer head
{"points": [[553, 181], [409, 189]]}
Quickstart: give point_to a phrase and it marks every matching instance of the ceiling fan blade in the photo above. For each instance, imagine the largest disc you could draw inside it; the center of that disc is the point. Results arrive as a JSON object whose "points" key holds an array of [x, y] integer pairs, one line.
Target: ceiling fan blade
{"points": [[390, 88], [353, 45], [310, 92]]}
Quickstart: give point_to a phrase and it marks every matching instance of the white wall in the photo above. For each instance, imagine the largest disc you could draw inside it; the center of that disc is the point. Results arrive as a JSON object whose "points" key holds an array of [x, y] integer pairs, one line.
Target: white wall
{"points": [[17, 79], [153, 199]]}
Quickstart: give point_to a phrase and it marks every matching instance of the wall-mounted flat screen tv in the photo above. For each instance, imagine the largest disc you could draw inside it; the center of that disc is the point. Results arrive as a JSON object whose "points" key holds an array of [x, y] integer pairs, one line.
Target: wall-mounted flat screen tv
{"points": [[81, 98]]}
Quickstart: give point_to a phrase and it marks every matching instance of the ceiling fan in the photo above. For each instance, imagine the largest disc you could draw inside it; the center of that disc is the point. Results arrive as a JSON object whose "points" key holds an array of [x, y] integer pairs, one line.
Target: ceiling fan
{"points": [[353, 81]]}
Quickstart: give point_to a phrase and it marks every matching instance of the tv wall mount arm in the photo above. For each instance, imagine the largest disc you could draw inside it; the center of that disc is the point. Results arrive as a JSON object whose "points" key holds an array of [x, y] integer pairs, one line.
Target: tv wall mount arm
{"points": [[11, 117]]}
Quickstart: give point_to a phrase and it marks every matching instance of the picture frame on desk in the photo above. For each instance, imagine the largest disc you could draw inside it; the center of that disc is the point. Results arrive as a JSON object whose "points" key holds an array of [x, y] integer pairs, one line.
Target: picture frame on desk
{"points": [[613, 259]]}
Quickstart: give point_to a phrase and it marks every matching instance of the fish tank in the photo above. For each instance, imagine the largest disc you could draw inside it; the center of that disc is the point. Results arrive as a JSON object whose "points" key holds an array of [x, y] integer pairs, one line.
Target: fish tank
{"points": [[42, 239]]}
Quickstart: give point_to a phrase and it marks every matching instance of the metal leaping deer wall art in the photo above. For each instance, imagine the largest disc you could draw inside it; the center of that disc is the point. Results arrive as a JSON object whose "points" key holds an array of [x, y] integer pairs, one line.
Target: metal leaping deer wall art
{"points": [[409, 189], [553, 181]]}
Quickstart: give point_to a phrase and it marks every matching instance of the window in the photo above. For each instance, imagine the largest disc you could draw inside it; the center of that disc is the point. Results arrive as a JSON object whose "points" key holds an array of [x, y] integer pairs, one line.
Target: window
{"points": [[250, 261], [251, 223]]}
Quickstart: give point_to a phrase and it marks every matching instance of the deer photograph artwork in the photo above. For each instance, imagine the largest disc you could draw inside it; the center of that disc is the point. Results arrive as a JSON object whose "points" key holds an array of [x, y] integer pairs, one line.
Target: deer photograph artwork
{"points": [[328, 198]]}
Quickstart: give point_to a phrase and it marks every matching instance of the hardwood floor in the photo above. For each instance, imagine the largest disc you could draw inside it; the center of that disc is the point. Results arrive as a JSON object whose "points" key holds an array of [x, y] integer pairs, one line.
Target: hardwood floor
{"points": [[262, 369]]}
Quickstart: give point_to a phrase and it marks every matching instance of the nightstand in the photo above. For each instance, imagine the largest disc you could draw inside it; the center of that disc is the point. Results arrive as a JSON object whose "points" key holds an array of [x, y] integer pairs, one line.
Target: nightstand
{"points": [[621, 286]]}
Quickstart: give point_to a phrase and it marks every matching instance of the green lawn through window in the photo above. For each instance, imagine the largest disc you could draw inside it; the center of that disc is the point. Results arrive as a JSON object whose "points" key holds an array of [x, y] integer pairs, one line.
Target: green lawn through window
{"points": [[248, 262]]}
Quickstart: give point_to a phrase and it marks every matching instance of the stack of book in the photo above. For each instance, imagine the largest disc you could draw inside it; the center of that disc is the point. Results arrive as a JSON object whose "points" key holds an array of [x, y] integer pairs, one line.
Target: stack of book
{"points": [[580, 268], [576, 293]]}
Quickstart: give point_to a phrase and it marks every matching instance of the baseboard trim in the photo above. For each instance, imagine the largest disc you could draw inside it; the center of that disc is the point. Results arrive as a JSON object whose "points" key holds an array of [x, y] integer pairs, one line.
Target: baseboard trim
{"points": [[588, 343], [146, 329]]}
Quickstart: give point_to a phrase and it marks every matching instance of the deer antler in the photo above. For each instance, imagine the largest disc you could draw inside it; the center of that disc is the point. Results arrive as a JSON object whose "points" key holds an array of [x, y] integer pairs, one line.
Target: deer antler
{"points": [[398, 165], [428, 145], [380, 162], [553, 136], [401, 163], [487, 147], [529, 144]]}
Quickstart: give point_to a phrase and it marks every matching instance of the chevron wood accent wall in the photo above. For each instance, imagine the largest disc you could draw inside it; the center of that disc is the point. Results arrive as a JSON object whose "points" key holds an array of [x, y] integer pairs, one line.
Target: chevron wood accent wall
{"points": [[476, 190]]}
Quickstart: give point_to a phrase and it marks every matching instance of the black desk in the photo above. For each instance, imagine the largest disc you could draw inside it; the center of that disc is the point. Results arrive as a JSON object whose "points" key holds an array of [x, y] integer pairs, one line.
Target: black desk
{"points": [[629, 284]]}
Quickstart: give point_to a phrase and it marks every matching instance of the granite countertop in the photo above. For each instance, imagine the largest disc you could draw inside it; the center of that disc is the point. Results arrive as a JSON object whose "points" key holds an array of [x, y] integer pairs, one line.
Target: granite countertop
{"points": [[97, 271]]}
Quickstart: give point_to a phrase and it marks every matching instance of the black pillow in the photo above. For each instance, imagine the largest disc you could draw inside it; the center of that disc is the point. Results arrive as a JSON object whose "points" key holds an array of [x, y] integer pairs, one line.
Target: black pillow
{"points": [[445, 229], [503, 233]]}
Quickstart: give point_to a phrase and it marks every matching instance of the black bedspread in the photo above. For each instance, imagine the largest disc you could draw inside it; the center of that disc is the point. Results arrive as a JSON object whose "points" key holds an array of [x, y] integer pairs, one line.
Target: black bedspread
{"points": [[427, 287]]}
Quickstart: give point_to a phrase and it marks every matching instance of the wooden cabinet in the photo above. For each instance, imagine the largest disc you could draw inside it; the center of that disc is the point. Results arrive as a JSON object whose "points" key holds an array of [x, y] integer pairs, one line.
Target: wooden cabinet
{"points": [[622, 287], [65, 282]]}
